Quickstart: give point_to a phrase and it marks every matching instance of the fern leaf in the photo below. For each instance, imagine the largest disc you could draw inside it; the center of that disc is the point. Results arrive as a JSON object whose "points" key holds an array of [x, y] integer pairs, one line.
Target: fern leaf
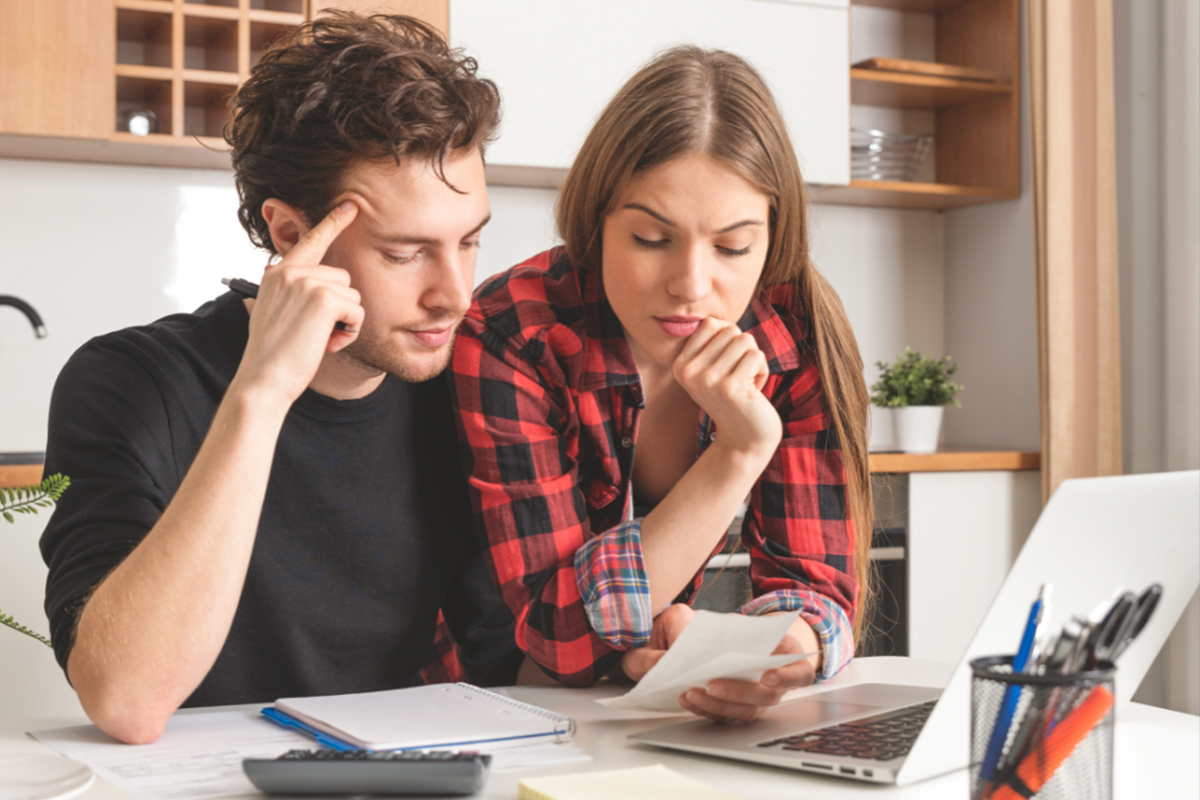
{"points": [[8, 621]]}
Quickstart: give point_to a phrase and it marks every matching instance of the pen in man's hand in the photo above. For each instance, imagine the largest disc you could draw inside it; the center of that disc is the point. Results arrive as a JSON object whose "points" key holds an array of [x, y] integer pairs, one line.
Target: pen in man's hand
{"points": [[248, 289]]}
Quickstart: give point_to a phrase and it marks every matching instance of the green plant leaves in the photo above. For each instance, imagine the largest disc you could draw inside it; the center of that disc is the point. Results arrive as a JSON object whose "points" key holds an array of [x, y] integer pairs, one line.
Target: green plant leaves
{"points": [[27, 500], [915, 380], [8, 621]]}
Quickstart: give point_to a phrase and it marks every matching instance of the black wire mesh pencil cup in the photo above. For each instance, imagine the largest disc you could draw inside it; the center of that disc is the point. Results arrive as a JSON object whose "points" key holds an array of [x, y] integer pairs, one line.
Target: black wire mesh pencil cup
{"points": [[1048, 737]]}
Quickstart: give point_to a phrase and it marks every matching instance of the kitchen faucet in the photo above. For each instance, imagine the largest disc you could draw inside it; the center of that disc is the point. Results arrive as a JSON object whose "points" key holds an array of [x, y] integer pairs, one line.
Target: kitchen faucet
{"points": [[34, 319]]}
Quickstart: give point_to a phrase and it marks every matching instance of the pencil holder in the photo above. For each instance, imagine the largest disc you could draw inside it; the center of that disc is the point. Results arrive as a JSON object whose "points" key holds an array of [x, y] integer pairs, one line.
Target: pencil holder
{"points": [[1040, 736]]}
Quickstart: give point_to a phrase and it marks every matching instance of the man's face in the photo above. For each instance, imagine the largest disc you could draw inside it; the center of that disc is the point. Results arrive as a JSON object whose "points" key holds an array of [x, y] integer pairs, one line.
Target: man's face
{"points": [[411, 253]]}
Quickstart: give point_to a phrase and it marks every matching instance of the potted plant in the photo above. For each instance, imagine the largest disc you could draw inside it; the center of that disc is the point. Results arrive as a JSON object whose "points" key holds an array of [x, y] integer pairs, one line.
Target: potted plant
{"points": [[27, 500], [917, 389]]}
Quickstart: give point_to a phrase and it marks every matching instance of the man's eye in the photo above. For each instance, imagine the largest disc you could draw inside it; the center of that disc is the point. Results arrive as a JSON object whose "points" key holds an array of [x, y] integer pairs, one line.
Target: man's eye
{"points": [[401, 258], [731, 252], [650, 244], [470, 243]]}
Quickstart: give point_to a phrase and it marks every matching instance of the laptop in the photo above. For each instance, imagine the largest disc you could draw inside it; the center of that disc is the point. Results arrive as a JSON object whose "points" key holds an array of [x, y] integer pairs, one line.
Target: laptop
{"points": [[1093, 537]]}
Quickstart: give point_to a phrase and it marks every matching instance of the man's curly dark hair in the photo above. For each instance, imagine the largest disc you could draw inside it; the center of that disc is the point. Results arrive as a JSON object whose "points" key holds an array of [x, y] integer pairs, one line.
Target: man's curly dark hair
{"points": [[346, 88]]}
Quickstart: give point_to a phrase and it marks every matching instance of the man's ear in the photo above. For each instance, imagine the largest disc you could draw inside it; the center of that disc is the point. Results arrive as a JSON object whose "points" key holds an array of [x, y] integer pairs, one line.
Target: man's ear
{"points": [[285, 223]]}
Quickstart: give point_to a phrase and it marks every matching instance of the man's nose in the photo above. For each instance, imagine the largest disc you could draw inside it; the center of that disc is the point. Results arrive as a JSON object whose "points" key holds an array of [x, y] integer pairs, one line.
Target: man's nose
{"points": [[450, 285]]}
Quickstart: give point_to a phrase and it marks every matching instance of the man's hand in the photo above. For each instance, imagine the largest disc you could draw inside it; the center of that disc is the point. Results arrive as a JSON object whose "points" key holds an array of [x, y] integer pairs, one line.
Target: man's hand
{"points": [[722, 700], [299, 303]]}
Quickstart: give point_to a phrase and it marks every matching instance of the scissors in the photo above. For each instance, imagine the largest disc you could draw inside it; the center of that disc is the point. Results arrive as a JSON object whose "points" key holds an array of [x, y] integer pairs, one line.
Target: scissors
{"points": [[1109, 638]]}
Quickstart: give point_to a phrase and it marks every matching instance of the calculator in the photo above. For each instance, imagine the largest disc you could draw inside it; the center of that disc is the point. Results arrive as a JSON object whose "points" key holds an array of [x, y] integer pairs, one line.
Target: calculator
{"points": [[395, 772]]}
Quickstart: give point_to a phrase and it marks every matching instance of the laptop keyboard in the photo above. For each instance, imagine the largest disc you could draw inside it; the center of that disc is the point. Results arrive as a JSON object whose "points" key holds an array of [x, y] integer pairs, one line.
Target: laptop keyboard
{"points": [[881, 737]]}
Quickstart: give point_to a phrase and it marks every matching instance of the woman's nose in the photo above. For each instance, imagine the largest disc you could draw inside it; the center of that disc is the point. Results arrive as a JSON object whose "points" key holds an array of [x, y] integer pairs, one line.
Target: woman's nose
{"points": [[691, 277]]}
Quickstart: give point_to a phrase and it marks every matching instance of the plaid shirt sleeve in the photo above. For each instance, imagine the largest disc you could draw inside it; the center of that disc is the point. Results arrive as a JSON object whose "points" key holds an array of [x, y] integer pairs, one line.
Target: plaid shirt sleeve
{"points": [[614, 587], [797, 528], [515, 422]]}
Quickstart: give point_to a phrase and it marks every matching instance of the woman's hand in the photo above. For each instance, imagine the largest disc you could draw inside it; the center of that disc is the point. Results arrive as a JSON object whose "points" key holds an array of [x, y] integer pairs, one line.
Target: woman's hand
{"points": [[723, 370], [726, 700], [667, 627]]}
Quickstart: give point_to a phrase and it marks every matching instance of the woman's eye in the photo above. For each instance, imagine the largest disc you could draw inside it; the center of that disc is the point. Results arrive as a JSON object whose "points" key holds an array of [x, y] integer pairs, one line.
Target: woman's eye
{"points": [[468, 244], [650, 244], [728, 251]]}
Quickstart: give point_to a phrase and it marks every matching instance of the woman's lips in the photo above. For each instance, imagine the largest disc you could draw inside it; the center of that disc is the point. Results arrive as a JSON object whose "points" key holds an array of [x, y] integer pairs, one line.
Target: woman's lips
{"points": [[434, 337], [679, 326]]}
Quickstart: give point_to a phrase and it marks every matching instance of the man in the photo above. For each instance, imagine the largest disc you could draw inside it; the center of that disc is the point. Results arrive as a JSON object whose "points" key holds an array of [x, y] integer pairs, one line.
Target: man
{"points": [[266, 499]]}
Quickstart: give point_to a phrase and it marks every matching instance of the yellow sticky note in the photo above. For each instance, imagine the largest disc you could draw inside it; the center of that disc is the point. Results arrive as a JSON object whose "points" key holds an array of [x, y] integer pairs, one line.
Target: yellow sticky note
{"points": [[642, 783]]}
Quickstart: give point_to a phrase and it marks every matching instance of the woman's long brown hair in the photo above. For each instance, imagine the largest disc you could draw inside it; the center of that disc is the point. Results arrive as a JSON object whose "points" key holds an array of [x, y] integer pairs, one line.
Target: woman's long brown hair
{"points": [[690, 101]]}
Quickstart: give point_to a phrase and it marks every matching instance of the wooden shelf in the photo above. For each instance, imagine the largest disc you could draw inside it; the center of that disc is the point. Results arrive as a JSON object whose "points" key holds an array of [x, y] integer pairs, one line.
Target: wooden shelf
{"points": [[976, 126], [956, 460], [12, 475], [870, 87], [159, 6], [902, 194], [910, 5]]}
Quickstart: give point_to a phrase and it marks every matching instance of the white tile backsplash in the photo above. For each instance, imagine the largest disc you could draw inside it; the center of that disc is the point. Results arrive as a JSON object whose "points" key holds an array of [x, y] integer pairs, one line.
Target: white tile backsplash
{"points": [[99, 247]]}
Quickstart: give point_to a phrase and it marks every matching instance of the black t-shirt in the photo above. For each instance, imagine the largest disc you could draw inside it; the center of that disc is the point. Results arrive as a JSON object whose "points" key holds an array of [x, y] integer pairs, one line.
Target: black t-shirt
{"points": [[366, 528]]}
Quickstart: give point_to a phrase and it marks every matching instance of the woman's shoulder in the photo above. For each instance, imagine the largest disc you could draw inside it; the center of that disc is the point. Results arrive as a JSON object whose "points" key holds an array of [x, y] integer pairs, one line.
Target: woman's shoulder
{"points": [[543, 291], [782, 319]]}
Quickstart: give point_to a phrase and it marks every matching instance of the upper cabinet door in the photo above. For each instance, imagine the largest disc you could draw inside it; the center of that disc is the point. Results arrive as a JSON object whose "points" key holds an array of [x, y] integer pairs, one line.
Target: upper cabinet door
{"points": [[56, 68], [558, 63]]}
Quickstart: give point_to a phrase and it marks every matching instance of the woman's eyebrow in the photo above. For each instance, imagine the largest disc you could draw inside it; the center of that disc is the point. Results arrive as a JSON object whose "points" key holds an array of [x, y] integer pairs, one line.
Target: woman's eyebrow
{"points": [[665, 221]]}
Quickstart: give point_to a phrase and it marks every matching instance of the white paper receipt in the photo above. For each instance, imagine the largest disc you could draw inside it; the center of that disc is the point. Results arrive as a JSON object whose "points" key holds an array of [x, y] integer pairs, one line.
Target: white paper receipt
{"points": [[711, 646]]}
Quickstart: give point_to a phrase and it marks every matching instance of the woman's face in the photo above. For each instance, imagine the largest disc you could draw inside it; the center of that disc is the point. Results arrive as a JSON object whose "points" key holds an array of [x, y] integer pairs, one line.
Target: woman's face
{"points": [[688, 240]]}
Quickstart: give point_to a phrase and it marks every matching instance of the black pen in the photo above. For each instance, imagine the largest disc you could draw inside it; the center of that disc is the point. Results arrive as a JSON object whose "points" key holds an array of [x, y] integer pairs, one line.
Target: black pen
{"points": [[248, 289]]}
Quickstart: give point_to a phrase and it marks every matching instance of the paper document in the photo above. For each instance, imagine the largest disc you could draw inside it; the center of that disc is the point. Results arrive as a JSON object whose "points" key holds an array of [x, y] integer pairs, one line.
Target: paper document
{"points": [[199, 756], [711, 646]]}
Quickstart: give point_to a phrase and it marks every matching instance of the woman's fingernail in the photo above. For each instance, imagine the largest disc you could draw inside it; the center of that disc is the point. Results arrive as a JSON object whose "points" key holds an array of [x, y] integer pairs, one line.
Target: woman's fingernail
{"points": [[770, 679], [715, 689], [693, 695]]}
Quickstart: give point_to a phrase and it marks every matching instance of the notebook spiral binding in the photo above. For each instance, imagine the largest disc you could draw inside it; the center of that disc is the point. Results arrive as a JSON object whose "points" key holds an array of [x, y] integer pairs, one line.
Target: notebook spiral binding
{"points": [[565, 733]]}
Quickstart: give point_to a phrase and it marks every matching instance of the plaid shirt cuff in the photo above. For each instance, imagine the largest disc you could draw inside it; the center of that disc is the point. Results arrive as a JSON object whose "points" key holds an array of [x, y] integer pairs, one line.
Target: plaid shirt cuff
{"points": [[826, 617], [611, 575]]}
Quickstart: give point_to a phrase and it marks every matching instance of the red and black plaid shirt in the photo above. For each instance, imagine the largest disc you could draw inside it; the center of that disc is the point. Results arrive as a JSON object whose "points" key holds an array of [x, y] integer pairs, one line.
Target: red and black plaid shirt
{"points": [[548, 399]]}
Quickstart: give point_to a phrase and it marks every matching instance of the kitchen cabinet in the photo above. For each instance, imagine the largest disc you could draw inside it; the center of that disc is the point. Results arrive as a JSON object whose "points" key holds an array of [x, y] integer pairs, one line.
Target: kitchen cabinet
{"points": [[75, 72], [965, 515], [56, 60], [557, 64], [977, 123]]}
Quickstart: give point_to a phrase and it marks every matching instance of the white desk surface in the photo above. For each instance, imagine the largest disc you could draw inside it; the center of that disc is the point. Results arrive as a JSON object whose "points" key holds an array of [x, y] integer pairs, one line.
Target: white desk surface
{"points": [[1155, 750]]}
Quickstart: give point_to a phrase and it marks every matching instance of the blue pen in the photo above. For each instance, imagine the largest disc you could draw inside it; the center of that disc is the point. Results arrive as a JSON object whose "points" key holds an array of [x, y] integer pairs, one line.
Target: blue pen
{"points": [[1012, 692]]}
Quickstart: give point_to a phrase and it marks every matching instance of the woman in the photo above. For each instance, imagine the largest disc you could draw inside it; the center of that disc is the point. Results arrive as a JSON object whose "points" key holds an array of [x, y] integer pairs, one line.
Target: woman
{"points": [[621, 396]]}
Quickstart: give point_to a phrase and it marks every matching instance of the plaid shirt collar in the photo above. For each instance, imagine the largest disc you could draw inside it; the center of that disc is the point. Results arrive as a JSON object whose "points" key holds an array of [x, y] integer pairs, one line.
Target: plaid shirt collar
{"points": [[608, 360]]}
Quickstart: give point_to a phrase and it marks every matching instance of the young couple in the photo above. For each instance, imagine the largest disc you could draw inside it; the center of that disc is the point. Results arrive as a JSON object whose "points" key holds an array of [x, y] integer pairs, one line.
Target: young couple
{"points": [[268, 497]]}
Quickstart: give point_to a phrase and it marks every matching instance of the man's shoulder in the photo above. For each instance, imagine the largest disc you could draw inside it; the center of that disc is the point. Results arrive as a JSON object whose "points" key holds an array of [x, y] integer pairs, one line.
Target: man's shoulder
{"points": [[207, 339], [542, 293]]}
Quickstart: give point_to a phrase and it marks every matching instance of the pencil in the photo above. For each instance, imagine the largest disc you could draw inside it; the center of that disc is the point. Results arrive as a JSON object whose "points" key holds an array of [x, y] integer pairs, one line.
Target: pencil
{"points": [[250, 289]]}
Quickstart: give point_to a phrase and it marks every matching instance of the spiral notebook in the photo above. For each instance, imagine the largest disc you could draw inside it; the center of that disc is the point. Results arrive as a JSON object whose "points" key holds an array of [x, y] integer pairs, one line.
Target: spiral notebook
{"points": [[439, 716]]}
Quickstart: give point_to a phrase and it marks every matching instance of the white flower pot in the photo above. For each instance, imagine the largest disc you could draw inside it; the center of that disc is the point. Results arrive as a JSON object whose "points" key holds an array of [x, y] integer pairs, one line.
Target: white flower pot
{"points": [[917, 428]]}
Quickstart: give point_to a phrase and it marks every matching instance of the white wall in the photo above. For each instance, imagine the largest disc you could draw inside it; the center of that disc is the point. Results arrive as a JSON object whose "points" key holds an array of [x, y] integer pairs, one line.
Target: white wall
{"points": [[991, 315]]}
